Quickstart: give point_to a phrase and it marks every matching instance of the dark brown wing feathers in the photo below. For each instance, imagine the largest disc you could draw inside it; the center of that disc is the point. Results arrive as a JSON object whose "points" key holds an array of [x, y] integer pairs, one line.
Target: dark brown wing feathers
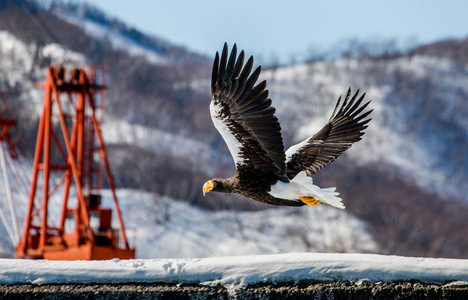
{"points": [[344, 128], [246, 110]]}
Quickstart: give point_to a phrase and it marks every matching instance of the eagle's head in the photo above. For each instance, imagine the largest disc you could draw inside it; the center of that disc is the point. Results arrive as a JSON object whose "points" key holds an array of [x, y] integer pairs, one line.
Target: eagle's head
{"points": [[215, 185]]}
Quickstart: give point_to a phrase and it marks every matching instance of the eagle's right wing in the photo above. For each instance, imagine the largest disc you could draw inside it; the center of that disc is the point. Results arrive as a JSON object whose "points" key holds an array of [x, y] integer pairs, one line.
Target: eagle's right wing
{"points": [[242, 113]]}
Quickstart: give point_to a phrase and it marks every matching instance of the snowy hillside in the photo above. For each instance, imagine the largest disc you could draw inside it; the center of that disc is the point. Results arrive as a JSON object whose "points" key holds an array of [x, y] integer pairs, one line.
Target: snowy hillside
{"points": [[167, 228], [19, 69], [406, 132], [161, 142]]}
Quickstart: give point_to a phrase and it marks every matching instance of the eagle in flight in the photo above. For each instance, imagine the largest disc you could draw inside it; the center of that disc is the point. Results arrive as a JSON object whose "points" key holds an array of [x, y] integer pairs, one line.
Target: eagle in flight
{"points": [[242, 113]]}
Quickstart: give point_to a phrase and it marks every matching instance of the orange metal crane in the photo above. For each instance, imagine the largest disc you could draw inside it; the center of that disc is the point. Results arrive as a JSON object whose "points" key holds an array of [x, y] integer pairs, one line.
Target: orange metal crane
{"points": [[84, 229]]}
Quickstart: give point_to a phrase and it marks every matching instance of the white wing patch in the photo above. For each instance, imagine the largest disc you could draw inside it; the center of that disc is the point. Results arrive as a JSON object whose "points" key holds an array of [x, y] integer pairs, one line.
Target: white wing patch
{"points": [[233, 144], [297, 148]]}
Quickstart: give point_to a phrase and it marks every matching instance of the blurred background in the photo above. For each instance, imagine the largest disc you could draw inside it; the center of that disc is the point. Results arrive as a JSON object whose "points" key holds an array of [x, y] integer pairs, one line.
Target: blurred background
{"points": [[403, 185]]}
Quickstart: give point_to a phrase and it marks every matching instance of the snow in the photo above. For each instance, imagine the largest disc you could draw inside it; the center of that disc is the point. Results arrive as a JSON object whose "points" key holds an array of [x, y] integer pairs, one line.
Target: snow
{"points": [[59, 54], [239, 271]]}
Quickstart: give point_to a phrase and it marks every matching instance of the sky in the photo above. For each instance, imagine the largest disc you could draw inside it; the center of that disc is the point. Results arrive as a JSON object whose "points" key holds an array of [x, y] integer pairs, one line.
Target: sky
{"points": [[282, 29]]}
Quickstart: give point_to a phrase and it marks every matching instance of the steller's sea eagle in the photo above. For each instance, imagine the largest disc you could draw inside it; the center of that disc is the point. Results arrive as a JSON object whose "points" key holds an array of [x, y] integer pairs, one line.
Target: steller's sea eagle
{"points": [[242, 113]]}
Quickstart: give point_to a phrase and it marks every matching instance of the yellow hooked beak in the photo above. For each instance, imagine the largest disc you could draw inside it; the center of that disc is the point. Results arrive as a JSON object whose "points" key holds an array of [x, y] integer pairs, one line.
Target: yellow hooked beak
{"points": [[208, 187]]}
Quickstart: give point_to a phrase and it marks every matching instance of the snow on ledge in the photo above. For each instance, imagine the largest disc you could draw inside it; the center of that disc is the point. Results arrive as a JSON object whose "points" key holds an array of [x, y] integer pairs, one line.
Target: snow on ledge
{"points": [[239, 270]]}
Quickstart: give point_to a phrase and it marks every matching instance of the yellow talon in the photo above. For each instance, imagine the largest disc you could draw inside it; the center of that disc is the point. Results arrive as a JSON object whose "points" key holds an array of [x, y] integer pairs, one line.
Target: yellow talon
{"points": [[310, 201]]}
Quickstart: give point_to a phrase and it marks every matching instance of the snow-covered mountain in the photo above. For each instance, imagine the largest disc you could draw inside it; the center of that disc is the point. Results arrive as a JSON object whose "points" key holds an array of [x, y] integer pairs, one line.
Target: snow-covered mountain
{"points": [[404, 179], [162, 227], [419, 125]]}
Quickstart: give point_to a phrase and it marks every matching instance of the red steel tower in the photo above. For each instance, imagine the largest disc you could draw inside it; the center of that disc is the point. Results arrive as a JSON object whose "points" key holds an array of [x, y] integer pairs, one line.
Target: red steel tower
{"points": [[70, 144]]}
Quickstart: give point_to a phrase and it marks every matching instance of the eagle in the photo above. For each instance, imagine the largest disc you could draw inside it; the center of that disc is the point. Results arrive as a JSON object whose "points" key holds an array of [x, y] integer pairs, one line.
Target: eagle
{"points": [[242, 113]]}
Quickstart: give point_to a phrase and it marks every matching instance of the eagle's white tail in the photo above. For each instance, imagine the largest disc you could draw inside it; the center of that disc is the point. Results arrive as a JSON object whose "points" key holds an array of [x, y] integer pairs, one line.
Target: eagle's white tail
{"points": [[326, 195]]}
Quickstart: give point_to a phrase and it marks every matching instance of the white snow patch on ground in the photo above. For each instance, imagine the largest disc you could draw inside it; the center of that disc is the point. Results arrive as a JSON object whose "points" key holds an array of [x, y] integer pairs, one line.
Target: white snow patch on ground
{"points": [[240, 270]]}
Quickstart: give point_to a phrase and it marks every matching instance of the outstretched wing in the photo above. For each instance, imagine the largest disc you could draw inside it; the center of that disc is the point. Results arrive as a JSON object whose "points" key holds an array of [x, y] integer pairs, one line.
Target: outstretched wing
{"points": [[243, 115], [344, 128]]}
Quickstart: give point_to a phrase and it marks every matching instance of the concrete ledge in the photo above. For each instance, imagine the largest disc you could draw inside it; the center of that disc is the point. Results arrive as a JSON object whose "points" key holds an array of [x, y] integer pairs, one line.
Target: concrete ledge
{"points": [[287, 290]]}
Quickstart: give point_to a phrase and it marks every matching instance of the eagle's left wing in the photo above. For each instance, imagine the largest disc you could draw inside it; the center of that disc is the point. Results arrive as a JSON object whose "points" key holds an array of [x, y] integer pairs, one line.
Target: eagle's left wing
{"points": [[344, 128]]}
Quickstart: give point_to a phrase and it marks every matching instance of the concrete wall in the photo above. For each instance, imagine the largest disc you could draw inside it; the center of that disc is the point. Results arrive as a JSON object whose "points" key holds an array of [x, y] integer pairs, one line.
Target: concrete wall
{"points": [[335, 290]]}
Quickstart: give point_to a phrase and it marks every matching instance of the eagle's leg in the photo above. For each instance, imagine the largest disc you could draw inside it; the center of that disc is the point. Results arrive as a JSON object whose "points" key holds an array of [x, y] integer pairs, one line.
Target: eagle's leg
{"points": [[310, 201]]}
